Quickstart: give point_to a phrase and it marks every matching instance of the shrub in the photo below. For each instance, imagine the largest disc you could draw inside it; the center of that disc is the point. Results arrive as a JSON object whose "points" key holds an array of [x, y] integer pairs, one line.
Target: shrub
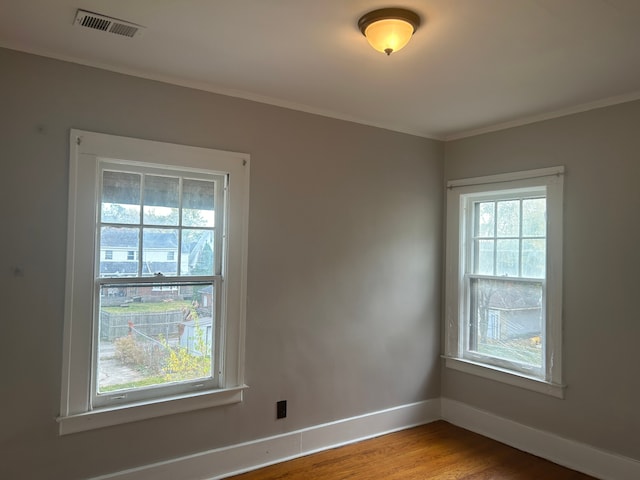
{"points": [[183, 365], [130, 352]]}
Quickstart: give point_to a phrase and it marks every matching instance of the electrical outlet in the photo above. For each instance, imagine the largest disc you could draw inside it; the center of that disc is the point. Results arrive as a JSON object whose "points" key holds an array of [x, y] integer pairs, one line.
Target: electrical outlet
{"points": [[281, 409]]}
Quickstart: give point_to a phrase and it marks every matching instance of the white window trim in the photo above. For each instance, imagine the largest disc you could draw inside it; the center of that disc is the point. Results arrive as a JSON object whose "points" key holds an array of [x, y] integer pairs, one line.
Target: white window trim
{"points": [[86, 148], [454, 314]]}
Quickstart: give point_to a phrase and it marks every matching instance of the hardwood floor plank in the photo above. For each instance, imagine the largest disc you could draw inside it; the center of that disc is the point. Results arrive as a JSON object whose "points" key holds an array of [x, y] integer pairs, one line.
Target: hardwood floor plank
{"points": [[436, 451]]}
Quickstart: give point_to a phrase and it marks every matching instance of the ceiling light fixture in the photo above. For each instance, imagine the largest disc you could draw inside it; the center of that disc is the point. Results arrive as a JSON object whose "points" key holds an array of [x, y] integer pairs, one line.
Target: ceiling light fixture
{"points": [[389, 29]]}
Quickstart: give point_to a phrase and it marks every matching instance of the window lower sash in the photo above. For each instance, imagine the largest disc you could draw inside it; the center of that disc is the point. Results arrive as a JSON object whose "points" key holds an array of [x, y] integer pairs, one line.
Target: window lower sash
{"points": [[155, 339]]}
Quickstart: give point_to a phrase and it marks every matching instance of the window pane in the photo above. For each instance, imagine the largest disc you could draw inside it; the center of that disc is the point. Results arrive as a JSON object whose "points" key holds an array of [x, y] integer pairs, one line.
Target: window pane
{"points": [[161, 203], [507, 256], [116, 243], [156, 245], [485, 219], [484, 264], [120, 197], [534, 217], [197, 252], [506, 320], [533, 258], [154, 334], [508, 218], [197, 203]]}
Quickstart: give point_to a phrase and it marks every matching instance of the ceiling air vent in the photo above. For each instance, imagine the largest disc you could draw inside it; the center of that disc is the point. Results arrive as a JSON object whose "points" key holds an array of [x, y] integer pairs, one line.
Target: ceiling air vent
{"points": [[106, 24]]}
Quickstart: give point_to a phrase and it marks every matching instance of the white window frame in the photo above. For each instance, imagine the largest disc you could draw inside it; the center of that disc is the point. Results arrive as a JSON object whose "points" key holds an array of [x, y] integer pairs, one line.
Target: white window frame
{"points": [[87, 151], [549, 379]]}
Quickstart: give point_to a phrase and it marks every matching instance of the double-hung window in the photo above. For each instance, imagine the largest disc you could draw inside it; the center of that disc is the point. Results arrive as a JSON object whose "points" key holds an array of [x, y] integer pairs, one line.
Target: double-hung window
{"points": [[504, 278], [154, 312]]}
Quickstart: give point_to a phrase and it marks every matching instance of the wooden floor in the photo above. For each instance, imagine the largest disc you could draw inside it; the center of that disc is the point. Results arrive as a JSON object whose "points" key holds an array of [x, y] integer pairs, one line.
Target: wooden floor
{"points": [[438, 450]]}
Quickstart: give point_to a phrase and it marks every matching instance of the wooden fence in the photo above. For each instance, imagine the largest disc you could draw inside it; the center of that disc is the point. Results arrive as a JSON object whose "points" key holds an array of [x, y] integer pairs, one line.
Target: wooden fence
{"points": [[114, 325]]}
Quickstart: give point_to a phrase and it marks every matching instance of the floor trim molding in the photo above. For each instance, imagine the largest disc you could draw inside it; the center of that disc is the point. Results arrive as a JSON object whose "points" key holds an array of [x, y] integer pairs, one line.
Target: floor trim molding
{"points": [[227, 461], [569, 453], [223, 462]]}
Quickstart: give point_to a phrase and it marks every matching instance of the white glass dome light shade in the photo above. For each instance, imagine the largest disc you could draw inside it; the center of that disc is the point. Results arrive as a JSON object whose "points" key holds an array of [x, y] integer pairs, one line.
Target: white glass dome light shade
{"points": [[389, 36]]}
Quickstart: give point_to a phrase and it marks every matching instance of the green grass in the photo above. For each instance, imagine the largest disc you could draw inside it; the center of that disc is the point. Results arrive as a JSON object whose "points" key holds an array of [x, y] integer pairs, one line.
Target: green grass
{"points": [[145, 382], [151, 307], [516, 350]]}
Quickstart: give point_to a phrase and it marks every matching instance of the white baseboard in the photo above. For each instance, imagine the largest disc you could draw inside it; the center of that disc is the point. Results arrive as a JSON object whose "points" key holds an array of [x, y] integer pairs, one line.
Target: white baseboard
{"points": [[235, 459], [224, 462], [569, 453]]}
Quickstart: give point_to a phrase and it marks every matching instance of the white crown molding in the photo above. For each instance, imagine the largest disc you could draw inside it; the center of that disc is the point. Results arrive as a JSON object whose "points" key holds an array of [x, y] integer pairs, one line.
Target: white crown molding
{"points": [[211, 88], [569, 453], [585, 107]]}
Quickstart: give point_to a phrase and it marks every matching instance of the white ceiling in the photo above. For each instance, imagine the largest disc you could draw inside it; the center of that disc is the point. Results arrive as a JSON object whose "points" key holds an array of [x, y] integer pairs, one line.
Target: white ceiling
{"points": [[473, 66]]}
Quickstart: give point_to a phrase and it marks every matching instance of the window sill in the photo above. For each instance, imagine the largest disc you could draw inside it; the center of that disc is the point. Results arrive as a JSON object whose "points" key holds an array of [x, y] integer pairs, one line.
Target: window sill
{"points": [[505, 376], [105, 417]]}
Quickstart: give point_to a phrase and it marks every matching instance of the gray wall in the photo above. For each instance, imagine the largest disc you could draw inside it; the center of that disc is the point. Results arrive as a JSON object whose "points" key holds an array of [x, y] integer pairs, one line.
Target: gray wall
{"points": [[344, 266], [344, 263], [601, 152]]}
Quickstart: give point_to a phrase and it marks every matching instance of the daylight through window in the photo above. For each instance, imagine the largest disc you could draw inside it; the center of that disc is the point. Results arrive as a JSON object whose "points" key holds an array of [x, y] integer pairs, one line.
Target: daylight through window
{"points": [[504, 276], [157, 313], [156, 275]]}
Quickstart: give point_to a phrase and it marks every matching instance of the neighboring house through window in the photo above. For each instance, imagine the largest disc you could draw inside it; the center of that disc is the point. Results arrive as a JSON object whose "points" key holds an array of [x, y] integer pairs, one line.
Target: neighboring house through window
{"points": [[504, 278], [154, 325]]}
